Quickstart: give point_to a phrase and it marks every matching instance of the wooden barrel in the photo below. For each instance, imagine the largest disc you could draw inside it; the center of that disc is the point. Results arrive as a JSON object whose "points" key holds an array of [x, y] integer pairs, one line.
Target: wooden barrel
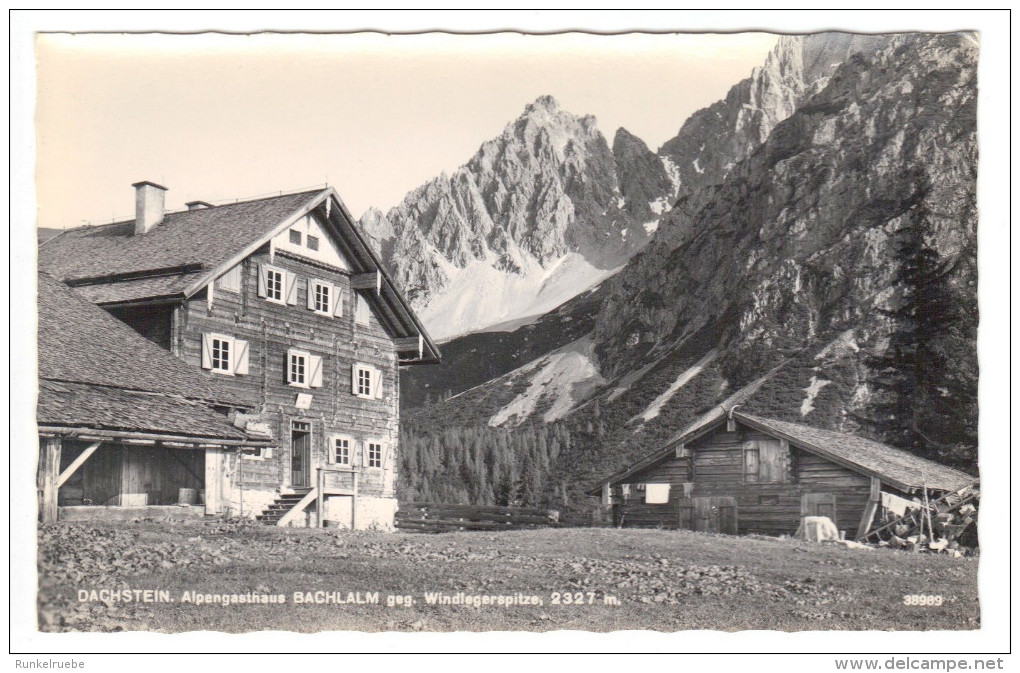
{"points": [[187, 496]]}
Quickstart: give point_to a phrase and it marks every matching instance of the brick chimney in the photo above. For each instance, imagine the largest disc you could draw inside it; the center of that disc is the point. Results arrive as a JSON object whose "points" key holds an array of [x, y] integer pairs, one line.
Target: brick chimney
{"points": [[149, 205]]}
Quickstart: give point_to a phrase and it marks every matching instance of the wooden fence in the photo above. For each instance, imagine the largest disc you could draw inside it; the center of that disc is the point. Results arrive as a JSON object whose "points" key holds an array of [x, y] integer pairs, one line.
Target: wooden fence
{"points": [[431, 517]]}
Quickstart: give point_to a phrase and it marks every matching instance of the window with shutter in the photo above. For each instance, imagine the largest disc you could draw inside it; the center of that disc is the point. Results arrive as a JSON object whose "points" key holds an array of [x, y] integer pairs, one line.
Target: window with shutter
{"points": [[273, 284], [320, 297], [362, 381], [341, 450], [297, 367], [220, 354]]}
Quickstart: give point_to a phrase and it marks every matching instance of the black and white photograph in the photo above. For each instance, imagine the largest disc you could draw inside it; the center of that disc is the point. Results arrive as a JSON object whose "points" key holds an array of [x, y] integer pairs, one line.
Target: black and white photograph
{"points": [[671, 330]]}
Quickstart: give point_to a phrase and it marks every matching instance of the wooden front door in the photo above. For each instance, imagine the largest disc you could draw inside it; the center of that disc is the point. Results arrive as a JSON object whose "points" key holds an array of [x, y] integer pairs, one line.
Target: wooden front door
{"points": [[300, 454]]}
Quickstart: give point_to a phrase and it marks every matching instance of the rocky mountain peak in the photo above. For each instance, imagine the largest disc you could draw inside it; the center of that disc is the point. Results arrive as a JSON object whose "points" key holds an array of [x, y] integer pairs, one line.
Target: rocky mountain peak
{"points": [[546, 103]]}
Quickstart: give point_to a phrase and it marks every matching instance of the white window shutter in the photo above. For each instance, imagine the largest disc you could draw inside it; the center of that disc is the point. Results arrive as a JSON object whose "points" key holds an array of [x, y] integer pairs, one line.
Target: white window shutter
{"points": [[262, 280], [330, 449], [376, 384], [338, 301], [206, 351], [310, 299], [354, 379], [240, 357], [291, 289], [315, 371]]}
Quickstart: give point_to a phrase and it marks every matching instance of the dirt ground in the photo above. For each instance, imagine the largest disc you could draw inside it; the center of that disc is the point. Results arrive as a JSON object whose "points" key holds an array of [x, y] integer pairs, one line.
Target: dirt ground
{"points": [[214, 575]]}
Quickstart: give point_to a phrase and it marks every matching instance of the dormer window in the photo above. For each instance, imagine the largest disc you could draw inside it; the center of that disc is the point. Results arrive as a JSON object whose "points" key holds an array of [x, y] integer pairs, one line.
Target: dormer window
{"points": [[313, 242], [295, 237]]}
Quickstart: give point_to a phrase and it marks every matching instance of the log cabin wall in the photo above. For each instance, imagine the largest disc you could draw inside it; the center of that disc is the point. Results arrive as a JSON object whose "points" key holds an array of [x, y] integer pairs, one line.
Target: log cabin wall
{"points": [[633, 512], [117, 469], [768, 485], [270, 330]]}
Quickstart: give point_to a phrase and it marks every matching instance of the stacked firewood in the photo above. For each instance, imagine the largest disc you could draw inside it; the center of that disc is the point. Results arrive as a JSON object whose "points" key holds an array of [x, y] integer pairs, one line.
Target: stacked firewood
{"points": [[943, 525]]}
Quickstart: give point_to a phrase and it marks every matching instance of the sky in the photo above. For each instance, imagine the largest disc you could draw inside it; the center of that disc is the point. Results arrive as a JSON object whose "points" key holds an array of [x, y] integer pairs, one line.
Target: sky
{"points": [[219, 117]]}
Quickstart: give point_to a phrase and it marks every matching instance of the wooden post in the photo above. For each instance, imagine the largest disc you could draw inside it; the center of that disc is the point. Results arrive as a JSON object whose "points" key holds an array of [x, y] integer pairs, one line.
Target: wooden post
{"points": [[46, 479], [606, 500], [354, 502], [240, 482], [73, 467], [874, 498], [320, 483], [213, 478]]}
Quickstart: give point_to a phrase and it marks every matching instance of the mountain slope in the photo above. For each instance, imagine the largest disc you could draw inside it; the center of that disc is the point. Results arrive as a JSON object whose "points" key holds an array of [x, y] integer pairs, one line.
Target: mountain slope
{"points": [[713, 140], [828, 278]]}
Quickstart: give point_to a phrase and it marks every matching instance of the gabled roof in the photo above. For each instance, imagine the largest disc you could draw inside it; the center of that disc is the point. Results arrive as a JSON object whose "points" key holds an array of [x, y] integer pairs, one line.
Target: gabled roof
{"points": [[180, 256], [98, 374], [205, 236], [895, 467]]}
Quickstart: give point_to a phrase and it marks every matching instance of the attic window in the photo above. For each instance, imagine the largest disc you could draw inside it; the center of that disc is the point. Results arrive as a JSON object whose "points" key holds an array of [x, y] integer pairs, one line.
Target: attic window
{"points": [[313, 242], [295, 237]]}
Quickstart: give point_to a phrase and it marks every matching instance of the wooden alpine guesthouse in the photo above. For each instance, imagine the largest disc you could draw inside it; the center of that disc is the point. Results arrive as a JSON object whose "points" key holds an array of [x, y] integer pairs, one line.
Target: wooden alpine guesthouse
{"points": [[281, 305], [735, 472]]}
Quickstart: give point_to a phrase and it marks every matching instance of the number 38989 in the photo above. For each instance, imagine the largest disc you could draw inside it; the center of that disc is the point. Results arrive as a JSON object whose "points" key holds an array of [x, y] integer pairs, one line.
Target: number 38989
{"points": [[923, 600]]}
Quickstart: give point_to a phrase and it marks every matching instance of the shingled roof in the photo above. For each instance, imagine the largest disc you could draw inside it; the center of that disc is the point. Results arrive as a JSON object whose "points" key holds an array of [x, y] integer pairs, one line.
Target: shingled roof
{"points": [[207, 237], [81, 343], [188, 250], [895, 467], [83, 406]]}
